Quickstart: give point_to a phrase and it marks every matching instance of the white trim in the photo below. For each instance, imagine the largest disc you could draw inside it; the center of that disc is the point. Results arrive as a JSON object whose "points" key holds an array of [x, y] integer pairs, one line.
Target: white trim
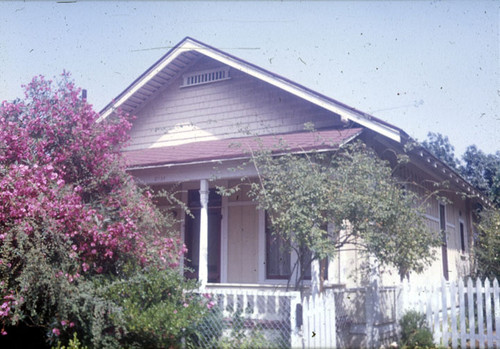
{"points": [[184, 199], [308, 96], [431, 218], [144, 81], [224, 238], [262, 247], [203, 258], [189, 45], [451, 225]]}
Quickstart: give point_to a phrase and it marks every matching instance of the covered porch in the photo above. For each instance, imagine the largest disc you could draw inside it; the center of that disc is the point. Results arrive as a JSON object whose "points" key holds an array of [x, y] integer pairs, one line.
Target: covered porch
{"points": [[228, 240]]}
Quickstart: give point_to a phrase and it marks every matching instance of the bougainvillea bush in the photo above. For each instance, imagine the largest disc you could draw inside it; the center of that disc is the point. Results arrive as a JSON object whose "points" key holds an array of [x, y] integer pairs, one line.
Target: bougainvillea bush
{"points": [[70, 216]]}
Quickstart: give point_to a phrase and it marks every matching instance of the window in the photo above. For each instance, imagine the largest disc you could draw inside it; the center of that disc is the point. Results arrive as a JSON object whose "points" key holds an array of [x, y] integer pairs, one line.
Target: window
{"points": [[462, 237], [277, 255], [444, 246]]}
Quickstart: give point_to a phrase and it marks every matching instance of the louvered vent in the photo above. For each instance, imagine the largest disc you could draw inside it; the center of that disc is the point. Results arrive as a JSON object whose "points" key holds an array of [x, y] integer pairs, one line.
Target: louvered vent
{"points": [[205, 77]]}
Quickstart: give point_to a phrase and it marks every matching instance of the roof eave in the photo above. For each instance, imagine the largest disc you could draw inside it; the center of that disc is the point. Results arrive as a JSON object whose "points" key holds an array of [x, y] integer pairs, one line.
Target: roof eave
{"points": [[327, 103]]}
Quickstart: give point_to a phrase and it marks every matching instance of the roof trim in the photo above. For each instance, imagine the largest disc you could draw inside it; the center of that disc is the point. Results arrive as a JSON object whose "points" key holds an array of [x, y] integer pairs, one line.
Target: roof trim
{"points": [[189, 44]]}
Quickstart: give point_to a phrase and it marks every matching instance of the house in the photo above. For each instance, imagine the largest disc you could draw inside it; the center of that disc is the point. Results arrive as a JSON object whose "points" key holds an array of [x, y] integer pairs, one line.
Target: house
{"points": [[196, 101]]}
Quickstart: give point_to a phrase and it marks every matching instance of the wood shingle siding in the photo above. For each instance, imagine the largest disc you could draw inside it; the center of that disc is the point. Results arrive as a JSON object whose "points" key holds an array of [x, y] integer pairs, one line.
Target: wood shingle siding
{"points": [[236, 107]]}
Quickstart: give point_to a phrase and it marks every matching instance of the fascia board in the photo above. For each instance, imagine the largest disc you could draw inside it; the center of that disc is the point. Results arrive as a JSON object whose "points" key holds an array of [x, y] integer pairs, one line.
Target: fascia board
{"points": [[189, 45], [286, 86], [133, 89]]}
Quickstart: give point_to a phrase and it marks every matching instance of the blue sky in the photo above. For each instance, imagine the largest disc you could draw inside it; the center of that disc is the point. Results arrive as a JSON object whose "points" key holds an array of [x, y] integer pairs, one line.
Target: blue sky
{"points": [[422, 66]]}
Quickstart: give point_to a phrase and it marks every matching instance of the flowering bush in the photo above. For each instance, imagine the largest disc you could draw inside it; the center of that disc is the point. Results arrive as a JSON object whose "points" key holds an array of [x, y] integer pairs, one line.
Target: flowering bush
{"points": [[68, 210]]}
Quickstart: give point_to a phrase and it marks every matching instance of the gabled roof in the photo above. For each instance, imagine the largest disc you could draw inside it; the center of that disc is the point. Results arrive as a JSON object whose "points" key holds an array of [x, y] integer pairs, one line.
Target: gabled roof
{"points": [[238, 148], [172, 64]]}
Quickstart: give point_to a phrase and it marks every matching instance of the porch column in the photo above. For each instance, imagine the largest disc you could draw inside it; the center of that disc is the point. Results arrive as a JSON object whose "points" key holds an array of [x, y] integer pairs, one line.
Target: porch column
{"points": [[203, 259], [315, 278]]}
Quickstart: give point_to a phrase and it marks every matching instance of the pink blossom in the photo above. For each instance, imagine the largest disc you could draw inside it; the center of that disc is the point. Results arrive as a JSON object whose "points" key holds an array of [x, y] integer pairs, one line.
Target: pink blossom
{"points": [[56, 331]]}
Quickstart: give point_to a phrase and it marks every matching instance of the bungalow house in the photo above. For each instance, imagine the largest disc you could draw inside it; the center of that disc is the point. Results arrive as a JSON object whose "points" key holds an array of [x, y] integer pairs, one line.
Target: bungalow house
{"points": [[196, 101]]}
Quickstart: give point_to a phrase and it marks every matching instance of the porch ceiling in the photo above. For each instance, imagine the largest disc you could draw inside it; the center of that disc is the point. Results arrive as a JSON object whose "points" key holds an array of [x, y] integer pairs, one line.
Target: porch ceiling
{"points": [[227, 149]]}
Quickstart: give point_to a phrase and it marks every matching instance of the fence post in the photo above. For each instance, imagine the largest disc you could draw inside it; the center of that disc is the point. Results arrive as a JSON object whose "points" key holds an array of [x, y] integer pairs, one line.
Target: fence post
{"points": [[295, 337], [496, 307], [372, 304]]}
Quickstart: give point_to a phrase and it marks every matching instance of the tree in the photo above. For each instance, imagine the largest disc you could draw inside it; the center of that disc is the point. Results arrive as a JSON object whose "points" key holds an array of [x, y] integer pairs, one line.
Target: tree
{"points": [[441, 148], [487, 244], [482, 171], [354, 190], [72, 221]]}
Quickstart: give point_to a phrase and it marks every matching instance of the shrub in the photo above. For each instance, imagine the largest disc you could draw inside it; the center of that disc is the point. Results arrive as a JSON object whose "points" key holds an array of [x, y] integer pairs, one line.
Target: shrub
{"points": [[158, 308], [414, 331], [71, 217]]}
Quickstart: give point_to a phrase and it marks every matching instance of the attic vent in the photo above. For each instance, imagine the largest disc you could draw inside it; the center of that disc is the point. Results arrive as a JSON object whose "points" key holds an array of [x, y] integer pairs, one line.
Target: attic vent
{"points": [[205, 77]]}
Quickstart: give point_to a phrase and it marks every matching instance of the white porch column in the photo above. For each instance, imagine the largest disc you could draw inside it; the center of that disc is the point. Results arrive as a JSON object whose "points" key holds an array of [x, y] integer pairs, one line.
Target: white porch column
{"points": [[315, 281], [203, 259]]}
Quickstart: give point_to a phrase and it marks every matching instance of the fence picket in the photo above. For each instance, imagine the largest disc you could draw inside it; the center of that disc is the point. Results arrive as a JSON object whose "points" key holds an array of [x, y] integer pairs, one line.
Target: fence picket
{"points": [[461, 302], [479, 304], [437, 327], [487, 301], [429, 318], [444, 307], [453, 314], [472, 320], [496, 310]]}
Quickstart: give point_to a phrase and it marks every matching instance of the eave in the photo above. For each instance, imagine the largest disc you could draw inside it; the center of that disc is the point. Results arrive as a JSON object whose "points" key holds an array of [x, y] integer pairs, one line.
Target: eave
{"points": [[173, 63]]}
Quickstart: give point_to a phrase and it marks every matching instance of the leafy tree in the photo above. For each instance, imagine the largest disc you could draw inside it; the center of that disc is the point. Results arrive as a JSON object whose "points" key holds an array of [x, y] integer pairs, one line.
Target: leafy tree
{"points": [[483, 171], [487, 244], [441, 148], [355, 190], [71, 219]]}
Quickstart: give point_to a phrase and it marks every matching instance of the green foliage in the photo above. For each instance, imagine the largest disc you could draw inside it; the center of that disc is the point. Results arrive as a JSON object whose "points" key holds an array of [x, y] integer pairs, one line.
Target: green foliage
{"points": [[239, 337], [208, 331], [157, 308], [73, 343], [352, 188], [414, 331], [441, 148], [72, 220], [483, 171], [487, 244]]}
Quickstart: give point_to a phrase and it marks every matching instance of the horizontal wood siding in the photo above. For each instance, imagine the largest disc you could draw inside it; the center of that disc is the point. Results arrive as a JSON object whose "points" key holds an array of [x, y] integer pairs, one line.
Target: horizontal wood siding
{"points": [[231, 108]]}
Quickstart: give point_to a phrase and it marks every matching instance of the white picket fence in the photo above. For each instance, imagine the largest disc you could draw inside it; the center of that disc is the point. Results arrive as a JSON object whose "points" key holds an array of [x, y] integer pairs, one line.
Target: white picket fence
{"points": [[319, 328], [459, 315]]}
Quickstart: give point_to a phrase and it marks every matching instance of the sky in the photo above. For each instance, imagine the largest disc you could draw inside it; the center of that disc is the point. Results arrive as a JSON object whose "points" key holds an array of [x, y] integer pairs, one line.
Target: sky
{"points": [[419, 65]]}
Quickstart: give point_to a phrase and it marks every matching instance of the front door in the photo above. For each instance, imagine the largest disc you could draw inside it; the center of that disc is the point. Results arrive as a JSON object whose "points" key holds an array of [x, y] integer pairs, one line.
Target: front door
{"points": [[192, 235]]}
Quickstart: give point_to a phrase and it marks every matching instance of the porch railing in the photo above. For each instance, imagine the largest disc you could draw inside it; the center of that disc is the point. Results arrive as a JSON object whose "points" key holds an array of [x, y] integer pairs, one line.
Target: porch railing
{"points": [[251, 318]]}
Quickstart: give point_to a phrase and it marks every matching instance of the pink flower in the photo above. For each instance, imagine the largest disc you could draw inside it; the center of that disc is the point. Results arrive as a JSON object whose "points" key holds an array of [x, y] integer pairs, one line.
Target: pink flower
{"points": [[210, 305], [56, 331], [71, 324], [185, 305], [4, 333], [175, 311], [63, 323]]}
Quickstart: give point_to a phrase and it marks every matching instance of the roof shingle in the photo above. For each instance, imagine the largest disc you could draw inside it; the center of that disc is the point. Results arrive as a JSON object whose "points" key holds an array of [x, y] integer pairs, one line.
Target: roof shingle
{"points": [[234, 148]]}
